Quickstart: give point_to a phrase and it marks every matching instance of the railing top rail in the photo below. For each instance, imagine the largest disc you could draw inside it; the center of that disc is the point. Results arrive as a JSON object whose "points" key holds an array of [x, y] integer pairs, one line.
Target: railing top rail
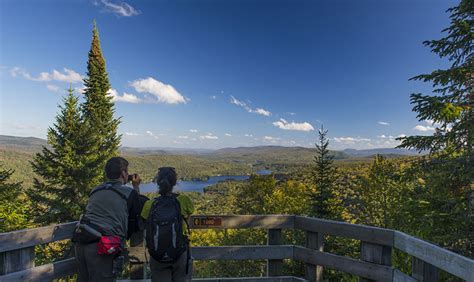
{"points": [[35, 236], [444, 259], [453, 263], [365, 233]]}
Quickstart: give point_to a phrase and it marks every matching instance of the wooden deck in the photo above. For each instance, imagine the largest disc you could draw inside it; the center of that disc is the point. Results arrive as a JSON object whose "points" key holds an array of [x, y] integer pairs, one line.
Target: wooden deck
{"points": [[374, 264]]}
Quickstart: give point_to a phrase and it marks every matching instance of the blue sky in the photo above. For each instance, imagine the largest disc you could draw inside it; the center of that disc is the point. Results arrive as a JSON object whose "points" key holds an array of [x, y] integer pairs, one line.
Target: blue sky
{"points": [[213, 74]]}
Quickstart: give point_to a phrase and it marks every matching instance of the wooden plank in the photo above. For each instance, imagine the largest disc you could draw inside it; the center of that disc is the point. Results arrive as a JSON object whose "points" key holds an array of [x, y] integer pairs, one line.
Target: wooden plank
{"points": [[137, 267], [345, 264], [17, 260], [45, 272], [375, 253], [448, 261], [242, 252], [31, 237], [277, 252], [399, 276], [274, 267], [355, 231], [247, 279], [423, 271], [314, 241], [238, 279], [245, 221]]}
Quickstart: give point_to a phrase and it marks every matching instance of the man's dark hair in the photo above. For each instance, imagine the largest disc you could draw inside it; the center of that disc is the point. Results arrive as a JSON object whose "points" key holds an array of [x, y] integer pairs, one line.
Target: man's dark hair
{"points": [[115, 166]]}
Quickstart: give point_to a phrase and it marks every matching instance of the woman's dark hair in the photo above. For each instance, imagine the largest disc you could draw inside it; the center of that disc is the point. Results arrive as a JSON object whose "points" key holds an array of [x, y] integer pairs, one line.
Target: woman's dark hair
{"points": [[166, 179], [115, 166]]}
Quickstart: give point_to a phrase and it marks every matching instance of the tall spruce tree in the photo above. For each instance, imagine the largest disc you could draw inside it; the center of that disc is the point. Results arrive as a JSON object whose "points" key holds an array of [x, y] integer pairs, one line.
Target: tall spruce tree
{"points": [[98, 109], [448, 171], [60, 192], [323, 177]]}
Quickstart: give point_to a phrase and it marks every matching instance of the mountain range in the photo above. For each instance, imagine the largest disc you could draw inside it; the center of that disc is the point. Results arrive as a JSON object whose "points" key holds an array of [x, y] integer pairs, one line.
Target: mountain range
{"points": [[35, 144]]}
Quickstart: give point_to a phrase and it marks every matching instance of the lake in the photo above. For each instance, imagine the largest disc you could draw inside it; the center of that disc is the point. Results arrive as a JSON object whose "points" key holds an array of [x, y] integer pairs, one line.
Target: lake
{"points": [[198, 186]]}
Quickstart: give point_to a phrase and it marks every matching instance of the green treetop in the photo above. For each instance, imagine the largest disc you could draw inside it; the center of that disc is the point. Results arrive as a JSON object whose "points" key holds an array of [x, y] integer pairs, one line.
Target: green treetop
{"points": [[60, 192], [323, 177], [98, 108], [12, 204], [451, 106]]}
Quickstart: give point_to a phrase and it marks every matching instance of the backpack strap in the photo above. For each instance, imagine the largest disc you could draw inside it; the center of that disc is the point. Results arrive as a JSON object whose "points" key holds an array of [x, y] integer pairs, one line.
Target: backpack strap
{"points": [[110, 187], [184, 219]]}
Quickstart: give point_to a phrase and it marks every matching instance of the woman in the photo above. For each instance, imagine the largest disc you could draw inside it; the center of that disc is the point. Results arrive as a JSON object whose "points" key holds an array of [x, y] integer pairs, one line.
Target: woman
{"points": [[167, 231]]}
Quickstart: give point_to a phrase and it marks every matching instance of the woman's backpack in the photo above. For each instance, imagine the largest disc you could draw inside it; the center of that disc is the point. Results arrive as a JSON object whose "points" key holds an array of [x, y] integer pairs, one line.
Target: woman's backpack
{"points": [[165, 240]]}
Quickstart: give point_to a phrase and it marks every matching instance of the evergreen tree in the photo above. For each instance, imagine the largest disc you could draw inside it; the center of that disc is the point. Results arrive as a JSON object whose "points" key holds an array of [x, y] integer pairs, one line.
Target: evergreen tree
{"points": [[98, 109], [60, 192], [448, 171], [323, 177], [12, 207], [451, 106]]}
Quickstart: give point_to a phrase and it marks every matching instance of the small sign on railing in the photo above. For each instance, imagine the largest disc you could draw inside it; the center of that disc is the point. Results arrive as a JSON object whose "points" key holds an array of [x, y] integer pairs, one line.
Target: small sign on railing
{"points": [[206, 221]]}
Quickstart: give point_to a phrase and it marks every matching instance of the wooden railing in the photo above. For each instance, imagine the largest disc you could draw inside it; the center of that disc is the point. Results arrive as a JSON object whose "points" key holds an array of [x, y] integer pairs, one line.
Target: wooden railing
{"points": [[374, 264]]}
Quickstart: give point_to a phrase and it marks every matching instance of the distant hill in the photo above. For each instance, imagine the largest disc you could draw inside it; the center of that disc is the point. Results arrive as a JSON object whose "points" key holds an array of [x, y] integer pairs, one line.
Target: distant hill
{"points": [[22, 143], [274, 150], [17, 152], [380, 151], [262, 153], [163, 150]]}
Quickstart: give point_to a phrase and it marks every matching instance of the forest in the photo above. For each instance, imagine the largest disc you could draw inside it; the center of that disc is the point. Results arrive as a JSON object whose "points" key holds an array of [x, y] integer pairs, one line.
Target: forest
{"points": [[430, 196]]}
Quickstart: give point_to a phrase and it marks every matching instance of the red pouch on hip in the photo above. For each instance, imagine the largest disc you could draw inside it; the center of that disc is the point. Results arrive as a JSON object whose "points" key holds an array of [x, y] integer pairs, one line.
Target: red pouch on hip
{"points": [[109, 245]]}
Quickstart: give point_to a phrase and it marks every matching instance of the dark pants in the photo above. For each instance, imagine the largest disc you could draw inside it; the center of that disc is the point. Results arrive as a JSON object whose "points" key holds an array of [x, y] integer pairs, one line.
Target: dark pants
{"points": [[171, 272], [92, 266]]}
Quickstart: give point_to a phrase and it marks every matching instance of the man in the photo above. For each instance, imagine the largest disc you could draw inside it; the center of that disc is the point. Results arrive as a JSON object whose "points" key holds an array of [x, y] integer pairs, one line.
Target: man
{"points": [[112, 211]]}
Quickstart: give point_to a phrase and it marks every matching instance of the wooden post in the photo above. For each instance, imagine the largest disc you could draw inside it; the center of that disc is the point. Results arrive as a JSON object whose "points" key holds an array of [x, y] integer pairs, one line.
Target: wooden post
{"points": [[375, 253], [423, 271], [274, 266], [17, 260], [314, 241], [137, 247]]}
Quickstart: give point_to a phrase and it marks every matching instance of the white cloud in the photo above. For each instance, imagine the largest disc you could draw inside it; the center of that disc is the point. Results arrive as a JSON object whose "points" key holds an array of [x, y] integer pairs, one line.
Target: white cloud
{"points": [[350, 140], [423, 128], [213, 97], [149, 133], [228, 134], [234, 101], [81, 89], [303, 126], [164, 93], [126, 98], [262, 112], [271, 139], [119, 8], [291, 113], [429, 121], [382, 136], [401, 136], [183, 137], [383, 123], [209, 136], [244, 105], [193, 130], [248, 135], [68, 75], [131, 134], [53, 88]]}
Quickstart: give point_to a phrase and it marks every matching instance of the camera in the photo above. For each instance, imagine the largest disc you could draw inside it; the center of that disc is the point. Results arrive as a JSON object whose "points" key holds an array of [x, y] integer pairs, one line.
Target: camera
{"points": [[130, 177]]}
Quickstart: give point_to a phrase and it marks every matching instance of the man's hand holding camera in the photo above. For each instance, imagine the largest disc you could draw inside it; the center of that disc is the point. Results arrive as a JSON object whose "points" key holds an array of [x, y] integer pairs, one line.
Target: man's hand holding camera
{"points": [[136, 180]]}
